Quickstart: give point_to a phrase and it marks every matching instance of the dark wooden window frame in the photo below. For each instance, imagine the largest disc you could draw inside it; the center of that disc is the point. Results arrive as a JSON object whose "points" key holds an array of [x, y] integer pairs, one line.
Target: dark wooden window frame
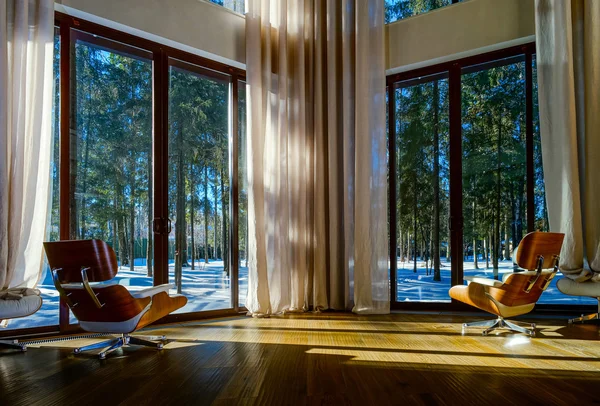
{"points": [[453, 70], [162, 57]]}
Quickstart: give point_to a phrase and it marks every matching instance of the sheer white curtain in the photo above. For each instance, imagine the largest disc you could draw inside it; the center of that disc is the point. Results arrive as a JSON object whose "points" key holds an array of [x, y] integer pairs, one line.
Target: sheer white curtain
{"points": [[568, 59], [317, 156], [26, 48]]}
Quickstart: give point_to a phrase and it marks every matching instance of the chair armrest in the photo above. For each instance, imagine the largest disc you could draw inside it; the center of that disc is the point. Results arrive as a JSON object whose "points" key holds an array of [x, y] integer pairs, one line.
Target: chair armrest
{"points": [[483, 281], [138, 294]]}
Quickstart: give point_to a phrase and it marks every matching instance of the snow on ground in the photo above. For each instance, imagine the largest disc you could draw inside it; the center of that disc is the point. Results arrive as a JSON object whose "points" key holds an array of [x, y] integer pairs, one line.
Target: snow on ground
{"points": [[208, 288], [420, 287]]}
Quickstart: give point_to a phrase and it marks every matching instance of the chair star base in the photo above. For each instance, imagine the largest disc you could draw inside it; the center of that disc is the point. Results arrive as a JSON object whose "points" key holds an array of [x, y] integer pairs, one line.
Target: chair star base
{"points": [[593, 316], [500, 322], [123, 340], [13, 344]]}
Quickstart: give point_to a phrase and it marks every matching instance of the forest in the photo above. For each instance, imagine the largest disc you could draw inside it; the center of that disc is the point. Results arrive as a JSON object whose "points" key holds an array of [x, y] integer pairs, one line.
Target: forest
{"points": [[493, 162], [112, 167]]}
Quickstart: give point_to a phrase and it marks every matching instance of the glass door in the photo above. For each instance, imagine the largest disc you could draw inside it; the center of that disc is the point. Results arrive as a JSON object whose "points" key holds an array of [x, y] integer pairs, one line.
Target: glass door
{"points": [[198, 186], [111, 160], [494, 165], [422, 189]]}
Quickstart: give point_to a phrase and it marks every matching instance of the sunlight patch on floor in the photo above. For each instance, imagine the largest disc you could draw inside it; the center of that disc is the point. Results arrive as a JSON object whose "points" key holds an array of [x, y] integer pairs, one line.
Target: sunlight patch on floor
{"points": [[429, 359]]}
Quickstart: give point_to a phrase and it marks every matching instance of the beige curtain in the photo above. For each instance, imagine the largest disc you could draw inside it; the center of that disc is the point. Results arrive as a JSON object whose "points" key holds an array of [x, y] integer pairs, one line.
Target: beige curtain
{"points": [[26, 49], [568, 55], [317, 156]]}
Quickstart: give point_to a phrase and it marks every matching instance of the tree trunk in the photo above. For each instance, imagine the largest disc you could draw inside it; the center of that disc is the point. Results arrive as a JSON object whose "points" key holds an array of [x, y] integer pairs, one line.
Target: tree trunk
{"points": [[216, 220], [192, 220], [73, 156], [180, 212], [131, 232], [149, 248], [496, 251], [475, 263], [122, 240], [520, 211], [206, 207], [401, 246], [486, 244], [507, 252], [436, 185], [224, 245], [415, 224], [408, 251]]}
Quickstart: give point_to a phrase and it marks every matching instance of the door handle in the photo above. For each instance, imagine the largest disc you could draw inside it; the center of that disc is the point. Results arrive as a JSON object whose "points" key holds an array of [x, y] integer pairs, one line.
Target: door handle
{"points": [[161, 225]]}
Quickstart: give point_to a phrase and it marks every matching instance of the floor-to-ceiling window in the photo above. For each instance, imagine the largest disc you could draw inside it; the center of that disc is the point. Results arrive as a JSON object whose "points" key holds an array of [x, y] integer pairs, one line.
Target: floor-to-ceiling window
{"points": [[143, 140], [466, 177]]}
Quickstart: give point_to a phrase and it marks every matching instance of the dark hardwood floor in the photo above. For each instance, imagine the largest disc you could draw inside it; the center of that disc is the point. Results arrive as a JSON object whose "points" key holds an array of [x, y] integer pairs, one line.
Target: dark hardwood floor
{"points": [[328, 358]]}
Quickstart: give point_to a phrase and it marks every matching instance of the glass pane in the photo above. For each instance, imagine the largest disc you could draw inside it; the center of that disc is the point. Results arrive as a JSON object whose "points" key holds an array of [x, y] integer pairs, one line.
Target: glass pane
{"points": [[399, 9], [422, 198], [199, 188], [243, 197], [111, 152], [236, 5], [494, 166], [48, 314]]}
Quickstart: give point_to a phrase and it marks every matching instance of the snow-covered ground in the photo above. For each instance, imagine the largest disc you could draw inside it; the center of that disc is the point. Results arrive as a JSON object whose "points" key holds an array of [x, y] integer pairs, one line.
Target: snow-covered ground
{"points": [[420, 287], [208, 288]]}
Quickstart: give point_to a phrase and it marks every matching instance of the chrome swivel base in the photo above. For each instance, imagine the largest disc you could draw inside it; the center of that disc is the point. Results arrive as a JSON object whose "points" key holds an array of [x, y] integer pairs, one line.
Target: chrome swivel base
{"points": [[593, 316], [123, 340], [13, 344], [500, 322]]}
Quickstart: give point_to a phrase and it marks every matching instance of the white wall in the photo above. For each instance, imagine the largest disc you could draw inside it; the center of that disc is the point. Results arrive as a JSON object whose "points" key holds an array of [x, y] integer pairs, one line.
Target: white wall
{"points": [[193, 25], [463, 29], [459, 30]]}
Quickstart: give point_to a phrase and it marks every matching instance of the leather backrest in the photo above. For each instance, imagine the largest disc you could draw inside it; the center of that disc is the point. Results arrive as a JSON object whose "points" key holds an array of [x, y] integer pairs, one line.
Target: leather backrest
{"points": [[536, 244], [117, 304], [513, 292], [73, 255]]}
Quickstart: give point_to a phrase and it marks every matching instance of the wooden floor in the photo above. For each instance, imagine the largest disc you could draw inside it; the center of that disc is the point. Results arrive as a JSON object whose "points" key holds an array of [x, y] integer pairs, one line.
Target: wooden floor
{"points": [[327, 358]]}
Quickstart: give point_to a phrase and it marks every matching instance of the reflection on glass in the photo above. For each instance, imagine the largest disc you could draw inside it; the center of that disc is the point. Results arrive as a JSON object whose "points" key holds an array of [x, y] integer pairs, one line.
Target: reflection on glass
{"points": [[243, 197], [422, 203], [199, 187], [111, 153]]}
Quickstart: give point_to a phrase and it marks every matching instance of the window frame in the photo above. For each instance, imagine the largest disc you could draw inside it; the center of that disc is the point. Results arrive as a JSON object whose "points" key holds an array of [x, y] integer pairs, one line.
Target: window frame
{"points": [[455, 69], [162, 57]]}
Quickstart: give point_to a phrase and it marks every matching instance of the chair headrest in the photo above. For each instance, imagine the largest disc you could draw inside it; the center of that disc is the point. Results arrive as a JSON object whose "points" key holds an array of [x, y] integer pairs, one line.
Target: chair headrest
{"points": [[73, 255]]}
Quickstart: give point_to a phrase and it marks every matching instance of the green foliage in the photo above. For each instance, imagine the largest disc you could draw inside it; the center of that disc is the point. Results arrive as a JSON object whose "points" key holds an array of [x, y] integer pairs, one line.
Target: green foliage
{"points": [[399, 9], [112, 157], [494, 165]]}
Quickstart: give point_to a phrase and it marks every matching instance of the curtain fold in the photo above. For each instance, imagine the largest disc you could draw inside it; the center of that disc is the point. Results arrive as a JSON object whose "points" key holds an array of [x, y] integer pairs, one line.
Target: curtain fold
{"points": [[26, 49], [568, 60], [317, 165]]}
